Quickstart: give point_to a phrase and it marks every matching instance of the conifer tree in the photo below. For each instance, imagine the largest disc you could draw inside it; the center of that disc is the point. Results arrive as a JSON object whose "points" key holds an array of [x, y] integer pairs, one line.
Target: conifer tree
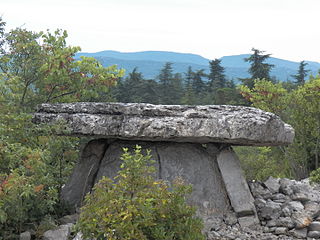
{"points": [[302, 73], [188, 94], [197, 82], [258, 68], [216, 76], [170, 85]]}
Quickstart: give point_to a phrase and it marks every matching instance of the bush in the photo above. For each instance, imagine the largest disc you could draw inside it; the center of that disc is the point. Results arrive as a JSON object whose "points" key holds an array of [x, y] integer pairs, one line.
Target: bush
{"points": [[259, 163], [315, 176], [136, 206]]}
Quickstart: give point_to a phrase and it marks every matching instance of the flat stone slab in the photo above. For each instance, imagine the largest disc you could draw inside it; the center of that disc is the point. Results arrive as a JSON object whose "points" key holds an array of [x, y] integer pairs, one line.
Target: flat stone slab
{"points": [[236, 186], [236, 125]]}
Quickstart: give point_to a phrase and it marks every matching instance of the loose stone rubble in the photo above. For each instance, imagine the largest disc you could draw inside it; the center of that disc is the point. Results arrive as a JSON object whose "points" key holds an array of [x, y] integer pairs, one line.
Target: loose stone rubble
{"points": [[282, 223], [288, 207]]}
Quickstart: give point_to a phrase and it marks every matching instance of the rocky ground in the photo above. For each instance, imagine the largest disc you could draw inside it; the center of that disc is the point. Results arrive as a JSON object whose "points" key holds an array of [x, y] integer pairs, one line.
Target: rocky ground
{"points": [[287, 209]]}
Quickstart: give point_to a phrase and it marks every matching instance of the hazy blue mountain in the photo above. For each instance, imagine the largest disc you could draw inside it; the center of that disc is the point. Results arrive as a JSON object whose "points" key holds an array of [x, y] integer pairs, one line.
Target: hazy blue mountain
{"points": [[150, 63]]}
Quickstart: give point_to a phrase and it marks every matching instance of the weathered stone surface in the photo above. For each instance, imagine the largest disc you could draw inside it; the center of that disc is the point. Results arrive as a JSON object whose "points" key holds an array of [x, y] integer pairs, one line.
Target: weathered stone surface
{"points": [[271, 210], [314, 226], [301, 219], [61, 233], [248, 221], [280, 231], [259, 191], [193, 162], [314, 234], [214, 123], [272, 184], [299, 233], [25, 236], [295, 206], [286, 186], [236, 185], [84, 173]]}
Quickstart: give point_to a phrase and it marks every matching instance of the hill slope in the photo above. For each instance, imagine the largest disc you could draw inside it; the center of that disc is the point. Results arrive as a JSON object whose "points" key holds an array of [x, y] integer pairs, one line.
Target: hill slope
{"points": [[150, 63]]}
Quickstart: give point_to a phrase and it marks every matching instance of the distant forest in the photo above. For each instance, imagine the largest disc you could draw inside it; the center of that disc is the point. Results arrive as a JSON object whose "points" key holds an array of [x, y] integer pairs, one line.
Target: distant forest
{"points": [[195, 87]]}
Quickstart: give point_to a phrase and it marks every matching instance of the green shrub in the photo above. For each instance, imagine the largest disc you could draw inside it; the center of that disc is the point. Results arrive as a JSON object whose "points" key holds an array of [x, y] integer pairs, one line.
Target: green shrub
{"points": [[136, 206], [315, 176], [259, 163]]}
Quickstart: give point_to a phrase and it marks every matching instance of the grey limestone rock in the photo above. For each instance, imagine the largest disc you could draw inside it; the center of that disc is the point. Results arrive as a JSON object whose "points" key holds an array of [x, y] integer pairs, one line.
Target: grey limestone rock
{"points": [[272, 184], [238, 190], [299, 233], [295, 206], [286, 186], [271, 210], [248, 221], [314, 234], [25, 236], [280, 231], [84, 173], [61, 233], [301, 219], [259, 191], [137, 121], [314, 226]]}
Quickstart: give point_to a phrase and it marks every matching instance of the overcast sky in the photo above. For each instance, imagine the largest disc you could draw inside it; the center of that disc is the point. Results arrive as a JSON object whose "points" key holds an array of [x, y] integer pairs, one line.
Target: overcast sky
{"points": [[287, 29]]}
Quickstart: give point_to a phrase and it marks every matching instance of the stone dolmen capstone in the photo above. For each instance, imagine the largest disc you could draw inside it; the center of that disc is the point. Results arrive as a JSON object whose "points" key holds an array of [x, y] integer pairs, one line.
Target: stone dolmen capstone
{"points": [[192, 142]]}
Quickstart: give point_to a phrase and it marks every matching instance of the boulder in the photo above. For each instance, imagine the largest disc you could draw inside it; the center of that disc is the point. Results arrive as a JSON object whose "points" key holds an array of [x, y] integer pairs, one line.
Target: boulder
{"points": [[272, 184], [25, 236], [314, 226], [314, 234], [60, 233], [180, 123]]}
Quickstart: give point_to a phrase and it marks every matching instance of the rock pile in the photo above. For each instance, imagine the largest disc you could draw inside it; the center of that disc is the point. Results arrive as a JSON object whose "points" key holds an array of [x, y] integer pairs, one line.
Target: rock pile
{"points": [[288, 207], [287, 210]]}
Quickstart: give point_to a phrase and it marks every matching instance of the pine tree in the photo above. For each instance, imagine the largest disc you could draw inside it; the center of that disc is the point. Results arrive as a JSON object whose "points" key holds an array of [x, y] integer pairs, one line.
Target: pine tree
{"points": [[216, 76], [188, 94], [258, 68], [197, 83], [302, 73], [170, 85]]}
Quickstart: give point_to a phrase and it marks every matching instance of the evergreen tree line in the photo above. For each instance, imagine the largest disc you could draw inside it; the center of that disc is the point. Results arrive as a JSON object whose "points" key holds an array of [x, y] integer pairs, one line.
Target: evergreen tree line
{"points": [[195, 87]]}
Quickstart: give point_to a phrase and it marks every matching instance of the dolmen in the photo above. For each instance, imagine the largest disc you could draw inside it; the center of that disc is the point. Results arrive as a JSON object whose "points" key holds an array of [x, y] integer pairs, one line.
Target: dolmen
{"points": [[192, 142]]}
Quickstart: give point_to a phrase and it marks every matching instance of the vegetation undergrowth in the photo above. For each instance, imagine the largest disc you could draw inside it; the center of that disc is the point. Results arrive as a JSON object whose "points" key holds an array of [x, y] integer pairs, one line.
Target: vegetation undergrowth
{"points": [[135, 206], [315, 176]]}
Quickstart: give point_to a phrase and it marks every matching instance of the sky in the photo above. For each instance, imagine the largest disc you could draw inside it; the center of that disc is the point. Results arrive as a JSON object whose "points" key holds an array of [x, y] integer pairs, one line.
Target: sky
{"points": [[287, 29]]}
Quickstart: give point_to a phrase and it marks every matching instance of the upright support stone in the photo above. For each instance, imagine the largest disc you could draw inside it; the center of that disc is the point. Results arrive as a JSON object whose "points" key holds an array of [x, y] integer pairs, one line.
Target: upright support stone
{"points": [[237, 187], [84, 173]]}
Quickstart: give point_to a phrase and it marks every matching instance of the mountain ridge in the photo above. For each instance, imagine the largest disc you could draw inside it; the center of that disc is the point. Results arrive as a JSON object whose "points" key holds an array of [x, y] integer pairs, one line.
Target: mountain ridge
{"points": [[149, 63]]}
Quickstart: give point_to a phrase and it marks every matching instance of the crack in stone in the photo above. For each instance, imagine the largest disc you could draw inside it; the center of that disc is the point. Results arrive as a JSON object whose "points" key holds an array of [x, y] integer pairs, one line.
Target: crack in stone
{"points": [[94, 174], [159, 162]]}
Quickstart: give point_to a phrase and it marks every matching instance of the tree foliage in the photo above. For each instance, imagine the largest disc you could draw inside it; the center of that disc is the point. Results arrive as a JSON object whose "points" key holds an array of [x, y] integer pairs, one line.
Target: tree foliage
{"points": [[37, 67], [258, 68], [301, 109], [216, 77], [302, 73], [136, 206]]}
